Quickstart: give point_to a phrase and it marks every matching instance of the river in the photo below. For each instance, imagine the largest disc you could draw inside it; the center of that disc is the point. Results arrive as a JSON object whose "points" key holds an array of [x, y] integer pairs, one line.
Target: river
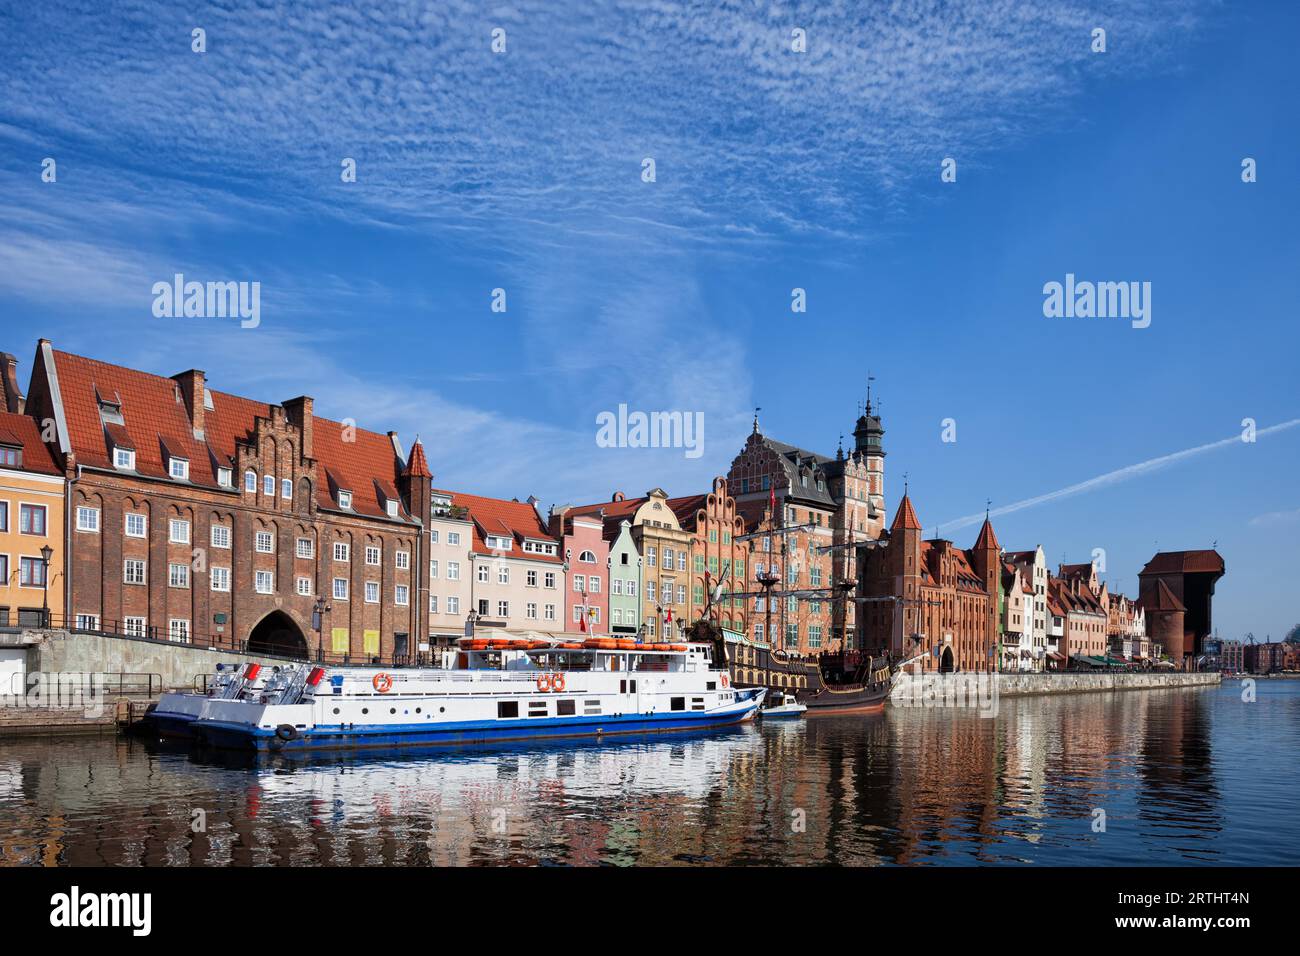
{"points": [[1180, 776]]}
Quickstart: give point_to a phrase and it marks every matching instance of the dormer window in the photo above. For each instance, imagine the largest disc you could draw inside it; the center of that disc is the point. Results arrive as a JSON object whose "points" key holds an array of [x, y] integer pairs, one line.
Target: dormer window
{"points": [[225, 477], [392, 508], [124, 458], [179, 468], [498, 542], [345, 499], [11, 456]]}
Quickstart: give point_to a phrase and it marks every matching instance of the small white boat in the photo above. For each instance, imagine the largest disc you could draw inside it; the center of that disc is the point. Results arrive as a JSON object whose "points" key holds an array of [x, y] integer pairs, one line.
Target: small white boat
{"points": [[783, 707]]}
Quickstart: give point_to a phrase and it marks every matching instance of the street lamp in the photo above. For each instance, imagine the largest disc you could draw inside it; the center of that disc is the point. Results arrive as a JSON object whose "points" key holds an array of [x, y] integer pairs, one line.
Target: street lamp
{"points": [[318, 619], [46, 553]]}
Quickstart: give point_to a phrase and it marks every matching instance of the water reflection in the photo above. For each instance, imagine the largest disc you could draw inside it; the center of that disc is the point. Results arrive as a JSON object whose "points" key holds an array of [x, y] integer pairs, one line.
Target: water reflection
{"points": [[907, 786]]}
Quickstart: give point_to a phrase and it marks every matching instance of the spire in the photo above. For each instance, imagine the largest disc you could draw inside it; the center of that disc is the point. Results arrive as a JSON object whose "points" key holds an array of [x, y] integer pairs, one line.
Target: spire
{"points": [[416, 464], [756, 411], [987, 540], [906, 518]]}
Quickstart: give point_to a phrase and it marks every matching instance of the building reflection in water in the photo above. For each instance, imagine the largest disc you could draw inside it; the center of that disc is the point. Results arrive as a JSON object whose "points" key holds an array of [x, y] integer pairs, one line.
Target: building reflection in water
{"points": [[909, 786]]}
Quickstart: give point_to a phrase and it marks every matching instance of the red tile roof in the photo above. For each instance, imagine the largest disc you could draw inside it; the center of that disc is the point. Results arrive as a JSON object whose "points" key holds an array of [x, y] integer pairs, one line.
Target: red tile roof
{"points": [[514, 519], [22, 432], [906, 516], [1185, 562], [156, 422], [1163, 600]]}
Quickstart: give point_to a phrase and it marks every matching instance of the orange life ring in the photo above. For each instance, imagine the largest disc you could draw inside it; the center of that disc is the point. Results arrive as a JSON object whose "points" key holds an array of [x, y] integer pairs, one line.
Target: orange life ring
{"points": [[382, 683], [557, 683], [544, 682], [724, 680]]}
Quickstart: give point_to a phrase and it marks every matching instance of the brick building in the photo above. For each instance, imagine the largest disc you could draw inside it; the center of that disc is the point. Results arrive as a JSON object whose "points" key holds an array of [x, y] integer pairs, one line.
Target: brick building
{"points": [[931, 596], [825, 506], [1176, 589], [205, 516]]}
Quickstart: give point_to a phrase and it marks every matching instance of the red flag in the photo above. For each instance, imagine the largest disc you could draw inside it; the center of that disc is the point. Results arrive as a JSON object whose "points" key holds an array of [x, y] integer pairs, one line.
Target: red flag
{"points": [[582, 623], [771, 500]]}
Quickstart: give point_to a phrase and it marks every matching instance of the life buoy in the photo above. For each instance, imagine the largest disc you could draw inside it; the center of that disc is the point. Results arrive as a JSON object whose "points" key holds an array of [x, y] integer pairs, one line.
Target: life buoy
{"points": [[557, 683], [382, 683], [544, 683], [724, 680]]}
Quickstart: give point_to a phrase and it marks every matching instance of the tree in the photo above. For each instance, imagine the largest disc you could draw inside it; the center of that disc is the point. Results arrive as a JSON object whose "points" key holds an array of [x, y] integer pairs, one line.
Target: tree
{"points": [[1293, 635]]}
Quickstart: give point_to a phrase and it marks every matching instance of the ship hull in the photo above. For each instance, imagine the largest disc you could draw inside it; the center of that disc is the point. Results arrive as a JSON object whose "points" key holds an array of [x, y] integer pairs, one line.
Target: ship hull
{"points": [[752, 665]]}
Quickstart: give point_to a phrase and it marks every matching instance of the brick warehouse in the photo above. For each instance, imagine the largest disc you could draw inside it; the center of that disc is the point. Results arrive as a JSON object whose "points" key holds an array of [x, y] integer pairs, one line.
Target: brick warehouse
{"points": [[197, 515]]}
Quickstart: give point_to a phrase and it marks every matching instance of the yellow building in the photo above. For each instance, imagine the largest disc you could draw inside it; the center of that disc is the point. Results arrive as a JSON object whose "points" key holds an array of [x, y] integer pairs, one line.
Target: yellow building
{"points": [[31, 526]]}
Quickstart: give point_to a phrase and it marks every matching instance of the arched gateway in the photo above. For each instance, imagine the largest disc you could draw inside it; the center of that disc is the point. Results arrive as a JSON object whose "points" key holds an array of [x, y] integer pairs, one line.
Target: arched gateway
{"points": [[278, 634]]}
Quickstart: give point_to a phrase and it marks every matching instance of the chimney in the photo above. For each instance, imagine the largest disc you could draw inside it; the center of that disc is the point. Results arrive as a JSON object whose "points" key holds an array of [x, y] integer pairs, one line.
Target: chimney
{"points": [[192, 384], [11, 397], [299, 411]]}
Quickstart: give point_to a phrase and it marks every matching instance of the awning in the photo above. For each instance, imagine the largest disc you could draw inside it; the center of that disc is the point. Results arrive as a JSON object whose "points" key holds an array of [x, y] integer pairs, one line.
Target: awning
{"points": [[1055, 656]]}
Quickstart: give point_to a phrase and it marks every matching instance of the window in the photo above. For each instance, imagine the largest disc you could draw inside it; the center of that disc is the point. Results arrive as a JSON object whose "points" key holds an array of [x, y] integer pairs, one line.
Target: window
{"points": [[433, 604], [593, 584], [178, 575], [219, 579], [220, 536], [649, 590], [453, 537], [88, 519], [340, 551], [250, 481], [498, 542], [530, 610], [579, 583], [225, 477], [136, 626], [587, 557], [391, 507], [503, 574], [304, 586], [340, 589], [263, 582], [31, 519], [178, 468], [4, 516], [565, 708], [503, 608], [305, 548], [433, 536], [286, 488], [650, 556], [453, 570], [87, 622], [403, 560], [482, 573], [10, 457], [345, 500], [178, 630], [631, 588], [178, 531], [265, 542], [124, 458], [617, 616], [31, 573], [268, 485], [668, 558], [549, 612], [4, 576], [372, 592], [507, 709], [401, 595], [133, 571], [531, 578], [453, 605], [372, 555], [483, 608], [433, 570], [677, 703], [681, 594], [549, 579], [616, 585]]}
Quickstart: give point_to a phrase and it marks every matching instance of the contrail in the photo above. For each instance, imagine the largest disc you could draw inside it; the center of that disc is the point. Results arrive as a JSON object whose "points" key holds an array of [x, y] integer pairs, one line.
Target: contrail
{"points": [[1115, 477]]}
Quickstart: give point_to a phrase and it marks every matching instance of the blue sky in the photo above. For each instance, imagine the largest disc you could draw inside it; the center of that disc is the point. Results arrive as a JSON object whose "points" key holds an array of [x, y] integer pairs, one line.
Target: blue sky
{"points": [[774, 170]]}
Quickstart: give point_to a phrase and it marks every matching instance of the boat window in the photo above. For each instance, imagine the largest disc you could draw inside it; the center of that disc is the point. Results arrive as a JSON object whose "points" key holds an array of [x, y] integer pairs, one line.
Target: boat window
{"points": [[537, 708], [591, 706], [697, 703], [678, 703], [622, 687], [507, 708], [631, 689], [565, 708], [711, 685]]}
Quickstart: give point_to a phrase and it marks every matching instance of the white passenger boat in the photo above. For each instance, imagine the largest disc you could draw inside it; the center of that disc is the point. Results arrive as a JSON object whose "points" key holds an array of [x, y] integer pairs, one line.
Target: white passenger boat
{"points": [[507, 689], [782, 707]]}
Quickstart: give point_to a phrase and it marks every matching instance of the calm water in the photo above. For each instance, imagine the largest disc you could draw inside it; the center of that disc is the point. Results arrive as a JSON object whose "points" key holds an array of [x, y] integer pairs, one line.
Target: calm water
{"points": [[1184, 776]]}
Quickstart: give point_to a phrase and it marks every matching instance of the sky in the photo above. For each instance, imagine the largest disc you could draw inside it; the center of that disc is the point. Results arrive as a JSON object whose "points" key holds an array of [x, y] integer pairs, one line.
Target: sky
{"points": [[524, 170]]}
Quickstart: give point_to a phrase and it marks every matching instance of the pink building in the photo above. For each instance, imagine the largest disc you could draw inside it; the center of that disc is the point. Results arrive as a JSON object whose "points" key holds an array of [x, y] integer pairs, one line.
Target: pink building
{"points": [[586, 555]]}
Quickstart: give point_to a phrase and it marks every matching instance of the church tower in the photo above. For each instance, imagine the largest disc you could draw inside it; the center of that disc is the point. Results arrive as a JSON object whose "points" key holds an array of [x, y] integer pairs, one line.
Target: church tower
{"points": [[868, 448]]}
